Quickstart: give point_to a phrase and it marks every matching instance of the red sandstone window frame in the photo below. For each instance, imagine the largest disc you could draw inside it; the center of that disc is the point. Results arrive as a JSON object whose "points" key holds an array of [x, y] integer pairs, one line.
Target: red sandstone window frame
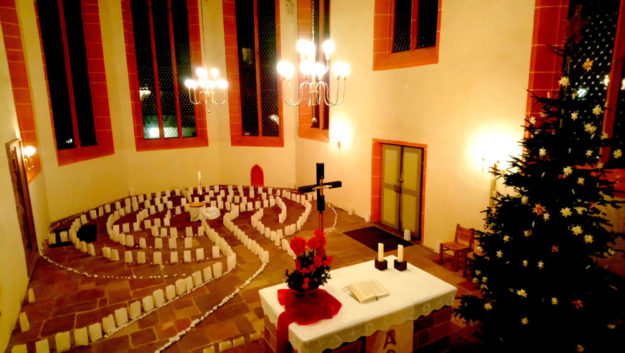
{"points": [[142, 144], [97, 83], [234, 91], [383, 56], [19, 80]]}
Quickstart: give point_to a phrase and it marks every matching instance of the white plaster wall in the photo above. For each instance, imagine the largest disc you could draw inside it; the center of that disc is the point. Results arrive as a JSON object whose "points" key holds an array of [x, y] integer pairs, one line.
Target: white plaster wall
{"points": [[13, 277], [475, 92]]}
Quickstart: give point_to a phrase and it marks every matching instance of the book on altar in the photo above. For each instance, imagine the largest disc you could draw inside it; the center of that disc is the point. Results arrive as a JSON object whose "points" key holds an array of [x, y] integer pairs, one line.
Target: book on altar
{"points": [[368, 290]]}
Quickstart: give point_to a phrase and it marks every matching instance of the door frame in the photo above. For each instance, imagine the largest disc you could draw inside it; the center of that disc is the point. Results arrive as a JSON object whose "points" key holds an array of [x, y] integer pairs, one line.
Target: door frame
{"points": [[376, 179], [22, 197]]}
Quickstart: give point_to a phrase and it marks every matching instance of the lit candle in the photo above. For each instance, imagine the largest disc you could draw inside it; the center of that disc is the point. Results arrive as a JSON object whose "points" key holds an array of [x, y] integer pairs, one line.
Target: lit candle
{"points": [[400, 253], [380, 252], [199, 177]]}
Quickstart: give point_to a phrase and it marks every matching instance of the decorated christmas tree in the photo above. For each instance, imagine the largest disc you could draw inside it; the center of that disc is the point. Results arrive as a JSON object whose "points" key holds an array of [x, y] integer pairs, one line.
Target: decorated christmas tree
{"points": [[541, 288]]}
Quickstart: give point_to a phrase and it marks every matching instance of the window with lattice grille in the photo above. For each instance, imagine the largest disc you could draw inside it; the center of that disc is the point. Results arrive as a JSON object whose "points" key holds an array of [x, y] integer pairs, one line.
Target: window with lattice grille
{"points": [[406, 33], [63, 41], [251, 33], [161, 38]]}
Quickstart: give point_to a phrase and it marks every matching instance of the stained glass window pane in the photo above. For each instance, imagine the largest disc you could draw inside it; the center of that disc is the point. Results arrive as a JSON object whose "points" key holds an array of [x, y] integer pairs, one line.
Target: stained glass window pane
{"points": [[165, 70]]}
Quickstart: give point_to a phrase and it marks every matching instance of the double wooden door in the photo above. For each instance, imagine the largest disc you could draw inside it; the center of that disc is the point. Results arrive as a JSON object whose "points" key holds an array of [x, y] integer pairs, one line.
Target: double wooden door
{"points": [[402, 175]]}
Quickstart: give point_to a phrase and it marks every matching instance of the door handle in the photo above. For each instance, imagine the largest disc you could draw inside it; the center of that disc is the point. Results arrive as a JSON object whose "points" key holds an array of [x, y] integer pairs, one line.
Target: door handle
{"points": [[397, 188]]}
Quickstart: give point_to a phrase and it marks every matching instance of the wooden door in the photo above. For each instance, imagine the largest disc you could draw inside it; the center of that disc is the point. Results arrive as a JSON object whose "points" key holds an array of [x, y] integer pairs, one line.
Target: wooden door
{"points": [[17, 170], [402, 172]]}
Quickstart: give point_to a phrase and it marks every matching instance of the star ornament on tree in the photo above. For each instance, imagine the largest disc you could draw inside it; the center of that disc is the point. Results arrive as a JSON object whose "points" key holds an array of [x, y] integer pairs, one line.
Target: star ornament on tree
{"points": [[539, 209], [617, 153], [577, 230], [578, 304], [574, 115], [567, 170], [566, 212], [588, 239], [597, 110], [587, 65], [532, 120], [564, 81], [590, 128]]}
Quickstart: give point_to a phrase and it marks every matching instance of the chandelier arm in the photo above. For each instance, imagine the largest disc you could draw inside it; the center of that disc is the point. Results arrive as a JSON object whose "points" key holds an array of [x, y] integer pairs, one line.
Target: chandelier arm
{"points": [[286, 88], [223, 101], [340, 94]]}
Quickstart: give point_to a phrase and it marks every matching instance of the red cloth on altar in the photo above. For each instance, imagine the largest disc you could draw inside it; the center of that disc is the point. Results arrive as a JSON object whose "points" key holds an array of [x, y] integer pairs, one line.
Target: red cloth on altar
{"points": [[303, 310]]}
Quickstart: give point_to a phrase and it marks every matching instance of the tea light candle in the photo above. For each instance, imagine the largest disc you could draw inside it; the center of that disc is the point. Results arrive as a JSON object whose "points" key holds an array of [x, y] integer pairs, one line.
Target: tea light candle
{"points": [[400, 253], [380, 252]]}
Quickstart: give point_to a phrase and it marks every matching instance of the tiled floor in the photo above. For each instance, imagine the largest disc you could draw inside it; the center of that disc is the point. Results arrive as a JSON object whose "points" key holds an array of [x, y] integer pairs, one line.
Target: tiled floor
{"points": [[66, 300]]}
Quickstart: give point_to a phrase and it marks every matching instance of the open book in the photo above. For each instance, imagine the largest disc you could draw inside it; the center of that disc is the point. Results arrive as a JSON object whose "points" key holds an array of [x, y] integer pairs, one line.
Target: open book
{"points": [[367, 290]]}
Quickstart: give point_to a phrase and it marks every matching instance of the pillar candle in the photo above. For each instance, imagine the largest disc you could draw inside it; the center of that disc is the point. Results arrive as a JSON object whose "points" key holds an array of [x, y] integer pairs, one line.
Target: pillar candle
{"points": [[400, 253], [148, 303], [170, 292], [62, 341], [42, 346], [135, 309], [380, 252]]}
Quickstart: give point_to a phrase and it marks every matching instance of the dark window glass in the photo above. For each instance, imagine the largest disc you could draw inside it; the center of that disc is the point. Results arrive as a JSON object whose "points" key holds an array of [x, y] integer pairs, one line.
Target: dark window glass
{"points": [[268, 73], [247, 67], [160, 104], [51, 38], [426, 25], [597, 43], [401, 32], [183, 64], [145, 68], [80, 73]]}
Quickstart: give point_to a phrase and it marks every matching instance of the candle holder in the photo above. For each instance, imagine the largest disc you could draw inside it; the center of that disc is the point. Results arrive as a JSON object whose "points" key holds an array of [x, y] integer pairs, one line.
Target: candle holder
{"points": [[381, 265], [400, 265]]}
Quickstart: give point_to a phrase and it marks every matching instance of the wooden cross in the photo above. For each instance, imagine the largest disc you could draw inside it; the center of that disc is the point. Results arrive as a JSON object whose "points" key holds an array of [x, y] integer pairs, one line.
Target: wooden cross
{"points": [[319, 187]]}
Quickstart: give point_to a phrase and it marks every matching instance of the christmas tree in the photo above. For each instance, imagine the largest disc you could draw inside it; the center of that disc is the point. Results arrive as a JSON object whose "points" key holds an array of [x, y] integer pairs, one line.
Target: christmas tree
{"points": [[541, 289]]}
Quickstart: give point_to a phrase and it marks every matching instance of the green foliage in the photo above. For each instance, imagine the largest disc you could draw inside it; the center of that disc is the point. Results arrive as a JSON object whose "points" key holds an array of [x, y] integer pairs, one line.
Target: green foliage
{"points": [[541, 288]]}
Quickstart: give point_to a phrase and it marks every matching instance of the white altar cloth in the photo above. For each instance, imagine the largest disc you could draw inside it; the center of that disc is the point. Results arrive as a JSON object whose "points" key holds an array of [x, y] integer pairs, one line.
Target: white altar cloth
{"points": [[413, 293], [203, 212]]}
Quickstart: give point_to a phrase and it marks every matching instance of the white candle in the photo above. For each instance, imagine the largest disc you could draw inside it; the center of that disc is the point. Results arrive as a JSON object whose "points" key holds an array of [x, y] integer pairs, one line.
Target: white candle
{"points": [[380, 252], [400, 253]]}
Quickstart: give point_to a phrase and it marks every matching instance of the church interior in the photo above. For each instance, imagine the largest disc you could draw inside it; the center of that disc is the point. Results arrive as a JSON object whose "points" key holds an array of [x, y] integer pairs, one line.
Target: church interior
{"points": [[161, 156]]}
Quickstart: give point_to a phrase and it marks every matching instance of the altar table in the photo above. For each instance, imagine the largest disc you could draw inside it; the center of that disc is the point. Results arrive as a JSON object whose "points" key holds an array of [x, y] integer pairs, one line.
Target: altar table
{"points": [[415, 296], [198, 211]]}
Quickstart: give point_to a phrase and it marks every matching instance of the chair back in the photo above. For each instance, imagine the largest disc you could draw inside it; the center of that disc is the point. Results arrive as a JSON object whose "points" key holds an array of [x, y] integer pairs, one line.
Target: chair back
{"points": [[464, 236]]}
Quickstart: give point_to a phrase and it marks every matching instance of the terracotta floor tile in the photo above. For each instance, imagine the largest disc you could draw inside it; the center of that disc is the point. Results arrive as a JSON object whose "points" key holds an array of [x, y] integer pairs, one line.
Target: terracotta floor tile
{"points": [[222, 330], [142, 337], [57, 324]]}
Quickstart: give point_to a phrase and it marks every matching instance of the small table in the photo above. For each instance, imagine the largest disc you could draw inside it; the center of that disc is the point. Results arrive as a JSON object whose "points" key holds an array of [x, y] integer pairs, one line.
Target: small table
{"points": [[415, 296], [198, 212]]}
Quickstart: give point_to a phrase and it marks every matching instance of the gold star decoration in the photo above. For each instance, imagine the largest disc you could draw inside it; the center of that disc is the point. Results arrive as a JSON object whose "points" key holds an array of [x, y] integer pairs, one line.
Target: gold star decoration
{"points": [[488, 306], [617, 153], [539, 209], [577, 230], [541, 265], [587, 65], [566, 212], [555, 249], [524, 263], [524, 321], [588, 238], [554, 301], [522, 293], [564, 81], [574, 115], [546, 216], [597, 110], [580, 348]]}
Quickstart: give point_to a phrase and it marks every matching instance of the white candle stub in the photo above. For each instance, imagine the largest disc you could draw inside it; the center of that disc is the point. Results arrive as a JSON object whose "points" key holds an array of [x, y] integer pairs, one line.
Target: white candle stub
{"points": [[380, 251], [400, 253]]}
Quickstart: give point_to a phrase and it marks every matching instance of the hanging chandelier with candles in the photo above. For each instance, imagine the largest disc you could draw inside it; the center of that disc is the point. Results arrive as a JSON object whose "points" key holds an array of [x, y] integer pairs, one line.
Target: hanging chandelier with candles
{"points": [[314, 90], [207, 91]]}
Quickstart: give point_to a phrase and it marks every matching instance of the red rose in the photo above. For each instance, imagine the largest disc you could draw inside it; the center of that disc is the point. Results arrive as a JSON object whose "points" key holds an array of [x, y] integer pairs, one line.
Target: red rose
{"points": [[322, 237], [328, 261], [321, 252], [313, 243], [305, 285], [298, 245], [317, 260], [297, 264]]}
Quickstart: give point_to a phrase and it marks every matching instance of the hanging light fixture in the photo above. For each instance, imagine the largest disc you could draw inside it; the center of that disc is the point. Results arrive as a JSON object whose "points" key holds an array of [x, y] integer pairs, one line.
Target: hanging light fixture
{"points": [[204, 90], [207, 91], [314, 90]]}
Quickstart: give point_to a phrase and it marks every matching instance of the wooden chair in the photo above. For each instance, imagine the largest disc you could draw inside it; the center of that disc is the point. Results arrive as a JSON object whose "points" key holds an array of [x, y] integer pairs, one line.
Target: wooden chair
{"points": [[461, 246]]}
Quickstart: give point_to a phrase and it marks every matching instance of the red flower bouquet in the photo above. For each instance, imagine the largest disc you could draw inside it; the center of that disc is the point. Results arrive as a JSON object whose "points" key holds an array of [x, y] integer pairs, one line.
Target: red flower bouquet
{"points": [[312, 266]]}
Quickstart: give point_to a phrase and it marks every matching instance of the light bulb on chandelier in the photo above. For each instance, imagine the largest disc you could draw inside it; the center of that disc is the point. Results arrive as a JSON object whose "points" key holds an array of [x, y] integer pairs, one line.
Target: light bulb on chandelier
{"points": [[207, 91], [314, 90]]}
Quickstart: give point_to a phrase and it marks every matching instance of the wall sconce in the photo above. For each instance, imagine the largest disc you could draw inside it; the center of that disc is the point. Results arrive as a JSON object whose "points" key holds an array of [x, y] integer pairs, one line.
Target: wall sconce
{"points": [[27, 153], [340, 134]]}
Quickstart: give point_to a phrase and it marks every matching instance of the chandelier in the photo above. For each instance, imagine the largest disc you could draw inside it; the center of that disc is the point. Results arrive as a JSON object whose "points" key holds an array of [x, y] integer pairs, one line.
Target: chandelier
{"points": [[207, 91], [204, 90], [314, 90]]}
